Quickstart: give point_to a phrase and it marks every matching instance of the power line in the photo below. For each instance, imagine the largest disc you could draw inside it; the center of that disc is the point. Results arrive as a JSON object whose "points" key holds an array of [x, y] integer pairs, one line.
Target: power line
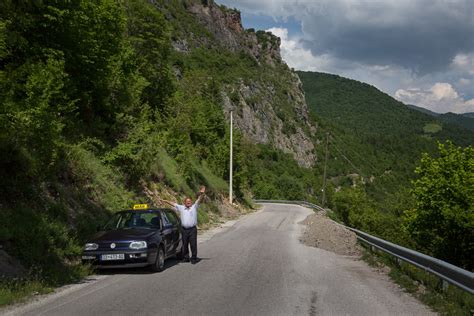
{"points": [[373, 169], [348, 160]]}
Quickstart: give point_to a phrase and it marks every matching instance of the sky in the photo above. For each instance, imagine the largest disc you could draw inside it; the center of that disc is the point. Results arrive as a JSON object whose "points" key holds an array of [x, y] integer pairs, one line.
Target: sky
{"points": [[420, 52]]}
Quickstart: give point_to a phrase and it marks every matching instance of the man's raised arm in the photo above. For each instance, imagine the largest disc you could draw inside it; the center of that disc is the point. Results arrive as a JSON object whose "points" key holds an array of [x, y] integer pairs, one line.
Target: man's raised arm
{"points": [[202, 192], [170, 203]]}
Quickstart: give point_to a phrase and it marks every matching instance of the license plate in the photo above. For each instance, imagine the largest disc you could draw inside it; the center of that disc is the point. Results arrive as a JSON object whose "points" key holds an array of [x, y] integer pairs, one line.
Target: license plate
{"points": [[115, 256]]}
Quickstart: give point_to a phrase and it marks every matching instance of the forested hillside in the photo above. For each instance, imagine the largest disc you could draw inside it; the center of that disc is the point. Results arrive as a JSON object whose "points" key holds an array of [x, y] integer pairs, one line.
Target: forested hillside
{"points": [[381, 136]]}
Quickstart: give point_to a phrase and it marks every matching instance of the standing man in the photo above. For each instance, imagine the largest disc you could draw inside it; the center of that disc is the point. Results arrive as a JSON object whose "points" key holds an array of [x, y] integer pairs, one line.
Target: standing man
{"points": [[188, 214]]}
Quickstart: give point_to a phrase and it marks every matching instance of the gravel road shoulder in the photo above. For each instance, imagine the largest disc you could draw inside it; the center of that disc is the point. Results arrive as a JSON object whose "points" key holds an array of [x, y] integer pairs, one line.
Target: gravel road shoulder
{"points": [[322, 232]]}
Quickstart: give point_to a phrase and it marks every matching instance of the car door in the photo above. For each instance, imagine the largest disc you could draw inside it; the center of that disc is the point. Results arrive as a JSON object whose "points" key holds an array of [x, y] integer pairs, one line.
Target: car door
{"points": [[173, 218], [168, 233]]}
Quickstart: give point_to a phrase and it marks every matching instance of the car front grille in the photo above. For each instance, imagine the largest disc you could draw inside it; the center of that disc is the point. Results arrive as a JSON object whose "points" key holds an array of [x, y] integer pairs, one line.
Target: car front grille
{"points": [[118, 246]]}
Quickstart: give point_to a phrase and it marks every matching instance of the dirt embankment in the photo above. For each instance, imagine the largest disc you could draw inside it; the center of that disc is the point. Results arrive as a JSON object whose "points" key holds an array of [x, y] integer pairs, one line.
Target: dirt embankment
{"points": [[9, 266], [322, 232]]}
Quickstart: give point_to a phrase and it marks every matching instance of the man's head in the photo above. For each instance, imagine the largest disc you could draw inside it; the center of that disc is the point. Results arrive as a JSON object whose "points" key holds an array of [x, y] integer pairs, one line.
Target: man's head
{"points": [[188, 202]]}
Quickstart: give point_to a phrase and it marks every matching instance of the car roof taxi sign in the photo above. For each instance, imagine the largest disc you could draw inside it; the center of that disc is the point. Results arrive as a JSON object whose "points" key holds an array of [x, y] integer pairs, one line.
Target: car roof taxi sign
{"points": [[140, 206]]}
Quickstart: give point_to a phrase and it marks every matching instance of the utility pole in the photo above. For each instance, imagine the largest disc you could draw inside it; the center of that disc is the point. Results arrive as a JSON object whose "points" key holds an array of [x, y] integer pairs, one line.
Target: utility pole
{"points": [[230, 163], [325, 167]]}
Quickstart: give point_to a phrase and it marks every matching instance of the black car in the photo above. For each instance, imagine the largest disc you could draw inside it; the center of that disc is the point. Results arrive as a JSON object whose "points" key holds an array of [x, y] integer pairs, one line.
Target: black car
{"points": [[136, 238]]}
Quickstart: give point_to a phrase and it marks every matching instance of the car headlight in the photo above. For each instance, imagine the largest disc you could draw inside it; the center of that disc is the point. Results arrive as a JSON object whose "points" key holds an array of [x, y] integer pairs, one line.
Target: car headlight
{"points": [[138, 245], [91, 246]]}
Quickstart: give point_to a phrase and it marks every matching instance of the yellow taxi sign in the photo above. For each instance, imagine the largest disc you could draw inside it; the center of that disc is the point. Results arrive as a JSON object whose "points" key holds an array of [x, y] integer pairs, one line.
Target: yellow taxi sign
{"points": [[140, 206]]}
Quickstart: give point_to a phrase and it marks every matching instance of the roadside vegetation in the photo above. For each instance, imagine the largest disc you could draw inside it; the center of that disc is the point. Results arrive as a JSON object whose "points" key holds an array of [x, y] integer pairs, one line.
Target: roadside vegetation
{"points": [[429, 289]]}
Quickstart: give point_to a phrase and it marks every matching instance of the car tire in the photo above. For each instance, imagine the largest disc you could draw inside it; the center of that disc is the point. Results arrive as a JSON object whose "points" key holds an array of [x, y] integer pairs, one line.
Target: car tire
{"points": [[160, 261]]}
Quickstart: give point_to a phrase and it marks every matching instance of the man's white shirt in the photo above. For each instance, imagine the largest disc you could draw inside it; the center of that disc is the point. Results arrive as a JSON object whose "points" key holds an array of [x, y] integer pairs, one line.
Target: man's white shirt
{"points": [[188, 215]]}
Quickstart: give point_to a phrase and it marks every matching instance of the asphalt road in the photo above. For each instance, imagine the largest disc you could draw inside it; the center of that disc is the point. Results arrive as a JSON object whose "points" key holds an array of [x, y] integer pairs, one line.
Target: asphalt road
{"points": [[255, 267]]}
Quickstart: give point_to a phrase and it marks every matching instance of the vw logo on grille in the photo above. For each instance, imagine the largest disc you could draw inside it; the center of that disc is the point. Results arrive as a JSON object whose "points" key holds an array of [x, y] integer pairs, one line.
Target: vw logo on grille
{"points": [[112, 245]]}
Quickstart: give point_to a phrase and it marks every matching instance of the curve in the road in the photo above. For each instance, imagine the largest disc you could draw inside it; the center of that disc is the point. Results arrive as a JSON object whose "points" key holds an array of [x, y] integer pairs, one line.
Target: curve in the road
{"points": [[256, 266]]}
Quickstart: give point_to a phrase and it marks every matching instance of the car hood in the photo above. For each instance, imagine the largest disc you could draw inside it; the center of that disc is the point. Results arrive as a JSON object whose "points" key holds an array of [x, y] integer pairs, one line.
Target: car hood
{"points": [[123, 234]]}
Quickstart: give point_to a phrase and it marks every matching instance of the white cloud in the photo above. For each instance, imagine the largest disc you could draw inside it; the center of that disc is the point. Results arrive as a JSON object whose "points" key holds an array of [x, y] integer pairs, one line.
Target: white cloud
{"points": [[422, 35], [464, 63], [385, 77], [298, 57], [440, 98]]}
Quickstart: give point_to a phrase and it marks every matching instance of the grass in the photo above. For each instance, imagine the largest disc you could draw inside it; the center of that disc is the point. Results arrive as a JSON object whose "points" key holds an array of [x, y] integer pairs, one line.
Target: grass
{"points": [[426, 287], [211, 179], [171, 171], [101, 182], [432, 128], [17, 290], [332, 215]]}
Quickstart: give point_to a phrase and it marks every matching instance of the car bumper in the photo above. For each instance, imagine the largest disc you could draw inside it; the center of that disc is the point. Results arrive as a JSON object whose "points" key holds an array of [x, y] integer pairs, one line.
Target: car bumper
{"points": [[132, 259]]}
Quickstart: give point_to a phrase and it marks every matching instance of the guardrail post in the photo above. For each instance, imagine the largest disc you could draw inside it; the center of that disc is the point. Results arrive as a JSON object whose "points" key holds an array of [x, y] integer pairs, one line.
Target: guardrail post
{"points": [[444, 285], [399, 261]]}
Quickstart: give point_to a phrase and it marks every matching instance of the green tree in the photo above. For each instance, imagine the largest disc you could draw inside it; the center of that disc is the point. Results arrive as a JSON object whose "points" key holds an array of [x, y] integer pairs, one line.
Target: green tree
{"points": [[149, 35], [442, 220]]}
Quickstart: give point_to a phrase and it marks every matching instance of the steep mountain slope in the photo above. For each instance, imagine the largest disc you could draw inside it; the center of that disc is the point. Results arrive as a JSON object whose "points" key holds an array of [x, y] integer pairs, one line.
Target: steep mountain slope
{"points": [[265, 95], [354, 104]]}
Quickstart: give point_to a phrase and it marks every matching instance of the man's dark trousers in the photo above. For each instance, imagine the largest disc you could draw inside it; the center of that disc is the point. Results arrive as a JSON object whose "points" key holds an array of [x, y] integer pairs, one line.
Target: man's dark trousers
{"points": [[190, 238]]}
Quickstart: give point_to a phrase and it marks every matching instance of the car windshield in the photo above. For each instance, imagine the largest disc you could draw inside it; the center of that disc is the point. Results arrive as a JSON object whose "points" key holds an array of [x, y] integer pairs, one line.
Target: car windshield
{"points": [[134, 219]]}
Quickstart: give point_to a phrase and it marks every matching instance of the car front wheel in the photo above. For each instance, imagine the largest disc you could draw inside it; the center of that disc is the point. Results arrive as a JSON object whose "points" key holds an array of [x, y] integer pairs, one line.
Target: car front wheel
{"points": [[160, 261]]}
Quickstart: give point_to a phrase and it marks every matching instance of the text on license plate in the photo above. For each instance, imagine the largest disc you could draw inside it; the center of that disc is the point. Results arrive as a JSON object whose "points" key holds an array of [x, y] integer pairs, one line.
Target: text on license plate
{"points": [[115, 256]]}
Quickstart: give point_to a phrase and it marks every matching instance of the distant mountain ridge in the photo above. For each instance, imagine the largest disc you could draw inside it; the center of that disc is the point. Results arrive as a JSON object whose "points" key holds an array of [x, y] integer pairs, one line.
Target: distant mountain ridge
{"points": [[359, 106], [465, 120], [422, 110]]}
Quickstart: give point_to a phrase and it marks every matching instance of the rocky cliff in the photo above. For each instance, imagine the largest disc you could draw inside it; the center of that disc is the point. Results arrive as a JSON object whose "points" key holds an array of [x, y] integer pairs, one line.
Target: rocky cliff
{"points": [[269, 108]]}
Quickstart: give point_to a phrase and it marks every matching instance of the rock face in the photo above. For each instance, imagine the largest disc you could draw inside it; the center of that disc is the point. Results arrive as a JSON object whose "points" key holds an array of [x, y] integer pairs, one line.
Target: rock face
{"points": [[226, 26], [260, 122], [263, 112]]}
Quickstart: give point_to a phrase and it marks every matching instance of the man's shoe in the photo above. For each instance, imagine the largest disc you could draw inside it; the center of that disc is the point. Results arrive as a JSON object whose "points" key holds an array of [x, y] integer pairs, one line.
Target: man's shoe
{"points": [[195, 260], [185, 260]]}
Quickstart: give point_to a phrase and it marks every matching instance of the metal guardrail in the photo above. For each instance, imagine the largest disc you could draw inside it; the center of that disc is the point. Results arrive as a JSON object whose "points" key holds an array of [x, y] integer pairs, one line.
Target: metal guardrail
{"points": [[446, 271], [311, 205]]}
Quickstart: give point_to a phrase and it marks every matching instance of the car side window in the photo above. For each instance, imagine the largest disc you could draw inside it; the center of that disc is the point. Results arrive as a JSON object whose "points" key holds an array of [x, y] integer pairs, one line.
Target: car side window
{"points": [[166, 221], [172, 217]]}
